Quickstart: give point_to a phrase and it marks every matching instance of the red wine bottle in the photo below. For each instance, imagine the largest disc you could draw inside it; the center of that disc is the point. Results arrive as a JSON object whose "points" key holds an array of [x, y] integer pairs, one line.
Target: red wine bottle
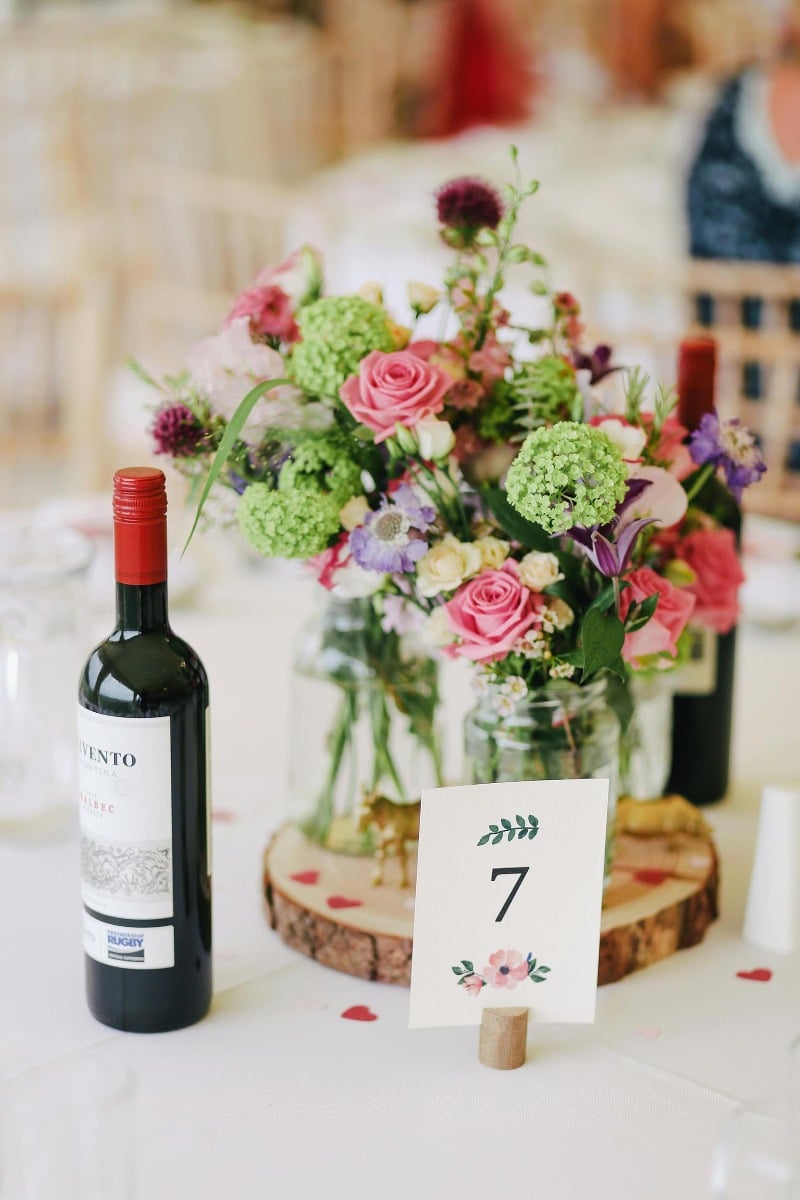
{"points": [[703, 705], [144, 790]]}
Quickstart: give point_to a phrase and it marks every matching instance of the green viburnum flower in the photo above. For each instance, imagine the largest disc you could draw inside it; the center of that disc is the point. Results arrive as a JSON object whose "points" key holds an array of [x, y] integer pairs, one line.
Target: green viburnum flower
{"points": [[569, 474], [323, 463], [296, 524], [336, 333]]}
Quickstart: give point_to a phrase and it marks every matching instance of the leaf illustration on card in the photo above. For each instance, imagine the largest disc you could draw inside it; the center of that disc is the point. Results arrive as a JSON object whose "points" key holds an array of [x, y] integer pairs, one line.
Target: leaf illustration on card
{"points": [[519, 828]]}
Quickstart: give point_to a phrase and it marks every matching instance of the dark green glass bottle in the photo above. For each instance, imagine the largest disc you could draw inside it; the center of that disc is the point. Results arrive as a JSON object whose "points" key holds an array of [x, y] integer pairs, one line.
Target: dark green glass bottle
{"points": [[144, 791]]}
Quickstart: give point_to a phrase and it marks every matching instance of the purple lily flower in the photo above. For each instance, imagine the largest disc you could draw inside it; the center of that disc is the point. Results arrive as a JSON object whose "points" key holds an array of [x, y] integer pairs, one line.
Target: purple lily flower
{"points": [[608, 549], [730, 445], [390, 539]]}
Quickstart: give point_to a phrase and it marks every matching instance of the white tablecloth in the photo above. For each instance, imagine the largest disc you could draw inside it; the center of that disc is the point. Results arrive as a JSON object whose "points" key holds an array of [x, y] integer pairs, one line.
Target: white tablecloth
{"points": [[274, 1094]]}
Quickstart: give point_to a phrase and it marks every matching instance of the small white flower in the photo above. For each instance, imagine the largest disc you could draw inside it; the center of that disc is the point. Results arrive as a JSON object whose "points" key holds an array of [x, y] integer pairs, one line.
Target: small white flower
{"points": [[421, 297], [559, 612], [503, 705], [562, 670], [480, 683], [531, 644], [515, 687], [371, 291]]}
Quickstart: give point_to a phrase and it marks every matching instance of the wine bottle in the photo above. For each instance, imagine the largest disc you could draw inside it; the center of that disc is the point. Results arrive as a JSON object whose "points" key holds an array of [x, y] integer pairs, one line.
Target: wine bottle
{"points": [[144, 790], [703, 704]]}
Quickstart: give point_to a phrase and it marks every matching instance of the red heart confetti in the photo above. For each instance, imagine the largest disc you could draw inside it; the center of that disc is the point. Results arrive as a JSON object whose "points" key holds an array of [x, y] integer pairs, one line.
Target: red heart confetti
{"points": [[359, 1012], [759, 975], [305, 877], [651, 876], [343, 902]]}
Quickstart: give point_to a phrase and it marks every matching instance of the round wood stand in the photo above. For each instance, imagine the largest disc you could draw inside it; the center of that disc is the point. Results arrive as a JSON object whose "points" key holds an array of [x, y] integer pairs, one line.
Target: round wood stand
{"points": [[662, 898]]}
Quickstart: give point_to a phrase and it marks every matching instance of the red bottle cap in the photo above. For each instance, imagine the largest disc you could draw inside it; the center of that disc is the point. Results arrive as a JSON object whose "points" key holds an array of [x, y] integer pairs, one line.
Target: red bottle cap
{"points": [[697, 366], [140, 525]]}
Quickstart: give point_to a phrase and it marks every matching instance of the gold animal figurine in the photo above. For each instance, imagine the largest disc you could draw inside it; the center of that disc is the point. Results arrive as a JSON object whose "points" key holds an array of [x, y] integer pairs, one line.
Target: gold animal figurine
{"points": [[393, 824], [670, 814]]}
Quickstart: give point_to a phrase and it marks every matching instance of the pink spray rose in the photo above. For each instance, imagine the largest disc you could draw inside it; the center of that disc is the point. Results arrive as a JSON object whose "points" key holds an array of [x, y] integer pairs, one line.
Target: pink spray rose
{"points": [[506, 968], [473, 985], [660, 634], [270, 312], [391, 389], [671, 446], [711, 553], [489, 613], [441, 355]]}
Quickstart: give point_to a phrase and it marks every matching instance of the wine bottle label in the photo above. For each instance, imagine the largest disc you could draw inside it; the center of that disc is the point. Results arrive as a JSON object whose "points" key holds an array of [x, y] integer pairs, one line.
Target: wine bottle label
{"points": [[124, 946], [124, 774], [697, 676]]}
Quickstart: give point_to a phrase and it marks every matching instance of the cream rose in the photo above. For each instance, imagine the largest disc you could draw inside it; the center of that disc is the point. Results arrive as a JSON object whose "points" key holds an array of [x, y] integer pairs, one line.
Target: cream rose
{"points": [[494, 552], [446, 565], [354, 512], [436, 630], [539, 570], [422, 297], [435, 439], [558, 613]]}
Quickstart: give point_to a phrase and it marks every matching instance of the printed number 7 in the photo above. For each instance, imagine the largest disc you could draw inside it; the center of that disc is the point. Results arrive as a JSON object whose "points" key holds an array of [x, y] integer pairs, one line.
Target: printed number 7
{"points": [[522, 872]]}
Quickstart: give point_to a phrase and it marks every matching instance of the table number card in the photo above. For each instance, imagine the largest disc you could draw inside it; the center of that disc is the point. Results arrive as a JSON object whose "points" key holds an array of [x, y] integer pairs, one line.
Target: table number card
{"points": [[508, 899]]}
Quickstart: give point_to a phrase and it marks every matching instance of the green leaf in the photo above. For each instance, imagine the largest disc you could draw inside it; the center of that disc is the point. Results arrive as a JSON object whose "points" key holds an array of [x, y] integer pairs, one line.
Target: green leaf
{"points": [[493, 829], [642, 613], [520, 821], [531, 964], [482, 841], [511, 834], [544, 969], [232, 431], [497, 838], [532, 834], [539, 289], [514, 524], [504, 821], [602, 635], [603, 600], [466, 963], [457, 970], [618, 669], [536, 978]]}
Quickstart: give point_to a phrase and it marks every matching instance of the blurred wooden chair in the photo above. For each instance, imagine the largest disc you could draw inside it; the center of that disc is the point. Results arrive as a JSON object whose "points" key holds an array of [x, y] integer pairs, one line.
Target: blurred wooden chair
{"points": [[753, 312], [751, 309], [190, 242]]}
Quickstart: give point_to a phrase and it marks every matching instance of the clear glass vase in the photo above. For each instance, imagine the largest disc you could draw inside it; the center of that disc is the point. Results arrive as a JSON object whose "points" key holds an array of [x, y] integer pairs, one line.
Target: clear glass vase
{"points": [[364, 722], [646, 747], [560, 731]]}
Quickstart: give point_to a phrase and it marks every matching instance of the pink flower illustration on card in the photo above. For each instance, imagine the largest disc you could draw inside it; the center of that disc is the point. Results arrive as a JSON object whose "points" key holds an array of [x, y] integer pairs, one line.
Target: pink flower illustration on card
{"points": [[505, 969]]}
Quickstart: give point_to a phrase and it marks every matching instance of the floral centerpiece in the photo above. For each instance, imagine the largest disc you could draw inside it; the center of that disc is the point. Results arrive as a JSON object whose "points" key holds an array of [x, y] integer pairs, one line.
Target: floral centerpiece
{"points": [[497, 491]]}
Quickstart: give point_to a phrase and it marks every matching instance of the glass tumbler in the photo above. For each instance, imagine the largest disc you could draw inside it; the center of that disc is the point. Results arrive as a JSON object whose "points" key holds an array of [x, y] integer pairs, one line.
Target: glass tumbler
{"points": [[42, 592]]}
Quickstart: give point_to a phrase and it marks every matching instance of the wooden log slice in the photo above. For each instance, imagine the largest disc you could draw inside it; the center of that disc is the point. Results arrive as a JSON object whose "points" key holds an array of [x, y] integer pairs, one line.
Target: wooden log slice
{"points": [[662, 898]]}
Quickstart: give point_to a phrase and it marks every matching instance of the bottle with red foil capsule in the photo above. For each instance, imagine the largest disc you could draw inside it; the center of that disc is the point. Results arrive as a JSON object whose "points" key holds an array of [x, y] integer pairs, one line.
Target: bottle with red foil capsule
{"points": [[703, 701], [143, 742]]}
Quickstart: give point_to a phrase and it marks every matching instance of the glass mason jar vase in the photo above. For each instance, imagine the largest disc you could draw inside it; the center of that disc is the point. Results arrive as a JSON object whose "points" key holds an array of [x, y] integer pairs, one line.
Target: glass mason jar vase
{"points": [[646, 747], [560, 731], [364, 722]]}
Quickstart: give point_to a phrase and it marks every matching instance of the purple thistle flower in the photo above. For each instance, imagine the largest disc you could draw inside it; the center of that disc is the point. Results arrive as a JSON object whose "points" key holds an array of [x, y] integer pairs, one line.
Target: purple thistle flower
{"points": [[730, 445], [390, 539], [606, 547], [177, 431], [468, 203]]}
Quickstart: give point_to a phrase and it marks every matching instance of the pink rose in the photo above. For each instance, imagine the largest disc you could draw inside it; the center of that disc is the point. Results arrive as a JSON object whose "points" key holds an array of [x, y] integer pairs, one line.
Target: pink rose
{"points": [[711, 553], [391, 389], [489, 613], [270, 313], [506, 969], [660, 634]]}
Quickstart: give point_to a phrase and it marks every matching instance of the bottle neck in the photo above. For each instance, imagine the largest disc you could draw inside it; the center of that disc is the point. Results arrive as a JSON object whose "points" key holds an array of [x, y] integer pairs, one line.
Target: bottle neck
{"points": [[140, 559], [142, 607]]}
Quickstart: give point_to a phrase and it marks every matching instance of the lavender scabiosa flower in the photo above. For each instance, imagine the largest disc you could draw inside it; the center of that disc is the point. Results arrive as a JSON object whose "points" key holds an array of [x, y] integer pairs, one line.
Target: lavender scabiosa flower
{"points": [[606, 546], [390, 539], [730, 445], [468, 203], [177, 431]]}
